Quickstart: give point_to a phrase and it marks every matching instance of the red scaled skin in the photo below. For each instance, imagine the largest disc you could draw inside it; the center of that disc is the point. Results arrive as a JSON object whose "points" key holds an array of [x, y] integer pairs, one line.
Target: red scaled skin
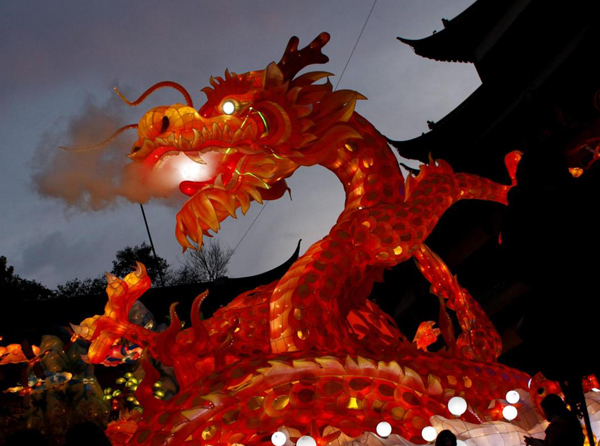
{"points": [[310, 350]]}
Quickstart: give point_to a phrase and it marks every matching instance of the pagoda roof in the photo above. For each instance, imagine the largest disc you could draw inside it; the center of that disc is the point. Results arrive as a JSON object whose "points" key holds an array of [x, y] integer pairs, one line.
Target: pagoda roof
{"points": [[220, 292], [461, 36], [49, 315]]}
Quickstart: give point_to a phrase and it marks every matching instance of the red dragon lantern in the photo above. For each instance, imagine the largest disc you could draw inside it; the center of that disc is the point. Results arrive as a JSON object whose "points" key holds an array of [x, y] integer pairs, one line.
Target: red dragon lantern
{"points": [[309, 352]]}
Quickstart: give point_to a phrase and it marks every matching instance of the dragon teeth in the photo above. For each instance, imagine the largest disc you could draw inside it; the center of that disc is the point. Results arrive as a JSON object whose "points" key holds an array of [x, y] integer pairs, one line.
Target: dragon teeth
{"points": [[205, 134], [197, 138], [216, 132], [232, 182], [226, 133], [161, 142], [184, 143], [236, 136], [248, 133], [171, 140], [195, 156]]}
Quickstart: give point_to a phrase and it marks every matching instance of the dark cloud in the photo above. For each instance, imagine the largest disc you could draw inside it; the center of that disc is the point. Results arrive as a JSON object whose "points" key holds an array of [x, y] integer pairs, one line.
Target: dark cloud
{"points": [[56, 254], [54, 52]]}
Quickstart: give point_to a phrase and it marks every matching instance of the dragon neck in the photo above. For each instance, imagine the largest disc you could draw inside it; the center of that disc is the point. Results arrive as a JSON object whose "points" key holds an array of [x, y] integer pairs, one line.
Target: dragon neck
{"points": [[367, 168]]}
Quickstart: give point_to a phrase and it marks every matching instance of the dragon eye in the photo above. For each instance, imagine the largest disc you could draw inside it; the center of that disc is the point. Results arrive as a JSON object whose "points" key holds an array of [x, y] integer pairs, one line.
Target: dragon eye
{"points": [[228, 107], [164, 125]]}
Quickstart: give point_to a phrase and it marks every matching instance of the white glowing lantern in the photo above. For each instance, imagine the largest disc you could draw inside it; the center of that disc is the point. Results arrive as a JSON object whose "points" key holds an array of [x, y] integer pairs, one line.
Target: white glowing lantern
{"points": [[429, 433], [460, 443], [457, 406], [384, 429], [509, 412], [513, 397], [278, 439], [306, 440]]}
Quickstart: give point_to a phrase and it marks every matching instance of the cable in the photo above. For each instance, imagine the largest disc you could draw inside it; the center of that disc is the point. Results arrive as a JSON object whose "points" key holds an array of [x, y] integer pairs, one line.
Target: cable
{"points": [[355, 45], [250, 227], [336, 85]]}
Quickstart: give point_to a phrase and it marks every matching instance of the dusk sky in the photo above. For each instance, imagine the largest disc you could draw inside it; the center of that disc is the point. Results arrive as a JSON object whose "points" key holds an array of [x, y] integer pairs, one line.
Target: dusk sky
{"points": [[61, 59]]}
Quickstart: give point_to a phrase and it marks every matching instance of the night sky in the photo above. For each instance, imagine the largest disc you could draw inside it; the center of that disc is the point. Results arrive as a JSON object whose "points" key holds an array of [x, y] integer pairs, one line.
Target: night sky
{"points": [[61, 59]]}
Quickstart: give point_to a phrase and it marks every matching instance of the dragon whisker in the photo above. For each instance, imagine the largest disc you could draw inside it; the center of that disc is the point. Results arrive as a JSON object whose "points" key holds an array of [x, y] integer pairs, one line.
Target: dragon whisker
{"points": [[101, 144], [149, 91]]}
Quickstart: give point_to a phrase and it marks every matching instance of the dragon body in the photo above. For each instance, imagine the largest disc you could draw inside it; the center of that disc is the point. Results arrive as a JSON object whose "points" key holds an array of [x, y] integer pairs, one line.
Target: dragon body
{"points": [[310, 350]]}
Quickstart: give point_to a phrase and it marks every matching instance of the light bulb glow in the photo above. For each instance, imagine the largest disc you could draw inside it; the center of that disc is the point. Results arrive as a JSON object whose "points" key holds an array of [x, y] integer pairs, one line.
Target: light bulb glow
{"points": [[460, 443], [594, 389], [509, 412], [228, 107], [278, 439], [384, 429], [457, 406], [306, 440], [513, 397], [429, 433]]}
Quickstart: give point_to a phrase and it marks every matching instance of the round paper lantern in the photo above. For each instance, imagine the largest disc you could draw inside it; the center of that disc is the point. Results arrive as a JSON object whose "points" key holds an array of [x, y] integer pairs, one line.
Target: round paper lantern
{"points": [[306, 440], [384, 429], [509, 412], [457, 406], [278, 439], [513, 397], [429, 433]]}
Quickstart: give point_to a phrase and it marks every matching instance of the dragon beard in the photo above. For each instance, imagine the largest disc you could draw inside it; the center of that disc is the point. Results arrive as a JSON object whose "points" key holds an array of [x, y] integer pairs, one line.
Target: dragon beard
{"points": [[207, 208]]}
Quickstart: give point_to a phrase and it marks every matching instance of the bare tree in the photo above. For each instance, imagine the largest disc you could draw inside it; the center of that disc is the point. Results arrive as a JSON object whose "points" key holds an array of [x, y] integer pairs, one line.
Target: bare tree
{"points": [[209, 263]]}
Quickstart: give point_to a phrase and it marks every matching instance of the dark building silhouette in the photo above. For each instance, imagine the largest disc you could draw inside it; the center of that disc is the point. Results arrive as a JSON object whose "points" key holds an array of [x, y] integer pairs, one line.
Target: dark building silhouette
{"points": [[30, 320], [540, 95]]}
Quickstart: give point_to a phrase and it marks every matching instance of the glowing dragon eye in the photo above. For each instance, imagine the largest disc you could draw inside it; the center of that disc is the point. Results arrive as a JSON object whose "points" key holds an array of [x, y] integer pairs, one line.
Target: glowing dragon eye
{"points": [[228, 107]]}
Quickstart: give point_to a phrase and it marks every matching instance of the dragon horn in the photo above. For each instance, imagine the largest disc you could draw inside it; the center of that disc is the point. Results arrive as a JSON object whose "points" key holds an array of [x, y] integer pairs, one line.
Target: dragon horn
{"points": [[293, 60], [149, 91], [101, 144]]}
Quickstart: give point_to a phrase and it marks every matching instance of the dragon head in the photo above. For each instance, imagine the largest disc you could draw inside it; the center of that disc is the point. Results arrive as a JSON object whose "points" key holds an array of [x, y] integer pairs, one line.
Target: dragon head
{"points": [[254, 130]]}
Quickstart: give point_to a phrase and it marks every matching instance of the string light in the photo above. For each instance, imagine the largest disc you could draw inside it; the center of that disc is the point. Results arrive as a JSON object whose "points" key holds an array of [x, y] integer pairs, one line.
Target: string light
{"points": [[513, 397], [509, 412], [306, 440], [384, 429], [278, 439], [429, 433], [457, 406]]}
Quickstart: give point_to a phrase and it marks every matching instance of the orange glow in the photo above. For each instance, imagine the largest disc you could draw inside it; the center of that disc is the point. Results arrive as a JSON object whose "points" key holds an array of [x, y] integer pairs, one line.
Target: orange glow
{"points": [[310, 350], [13, 354], [576, 172]]}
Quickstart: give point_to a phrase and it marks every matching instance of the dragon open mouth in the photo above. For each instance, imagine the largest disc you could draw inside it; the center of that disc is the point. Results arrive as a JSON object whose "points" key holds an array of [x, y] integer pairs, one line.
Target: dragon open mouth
{"points": [[218, 168]]}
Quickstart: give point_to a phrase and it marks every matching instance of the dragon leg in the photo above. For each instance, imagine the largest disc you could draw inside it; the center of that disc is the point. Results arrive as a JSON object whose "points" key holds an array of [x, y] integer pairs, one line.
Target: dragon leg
{"points": [[479, 339]]}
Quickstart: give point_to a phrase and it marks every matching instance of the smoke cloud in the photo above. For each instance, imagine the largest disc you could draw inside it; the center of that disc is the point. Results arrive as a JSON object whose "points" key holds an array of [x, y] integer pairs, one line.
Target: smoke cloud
{"points": [[99, 179]]}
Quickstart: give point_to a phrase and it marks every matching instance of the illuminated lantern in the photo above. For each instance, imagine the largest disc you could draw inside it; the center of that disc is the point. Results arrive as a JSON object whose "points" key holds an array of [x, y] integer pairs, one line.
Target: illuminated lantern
{"points": [[278, 439], [460, 443], [306, 440], [429, 433], [310, 349], [457, 406], [513, 397], [509, 412], [384, 429]]}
